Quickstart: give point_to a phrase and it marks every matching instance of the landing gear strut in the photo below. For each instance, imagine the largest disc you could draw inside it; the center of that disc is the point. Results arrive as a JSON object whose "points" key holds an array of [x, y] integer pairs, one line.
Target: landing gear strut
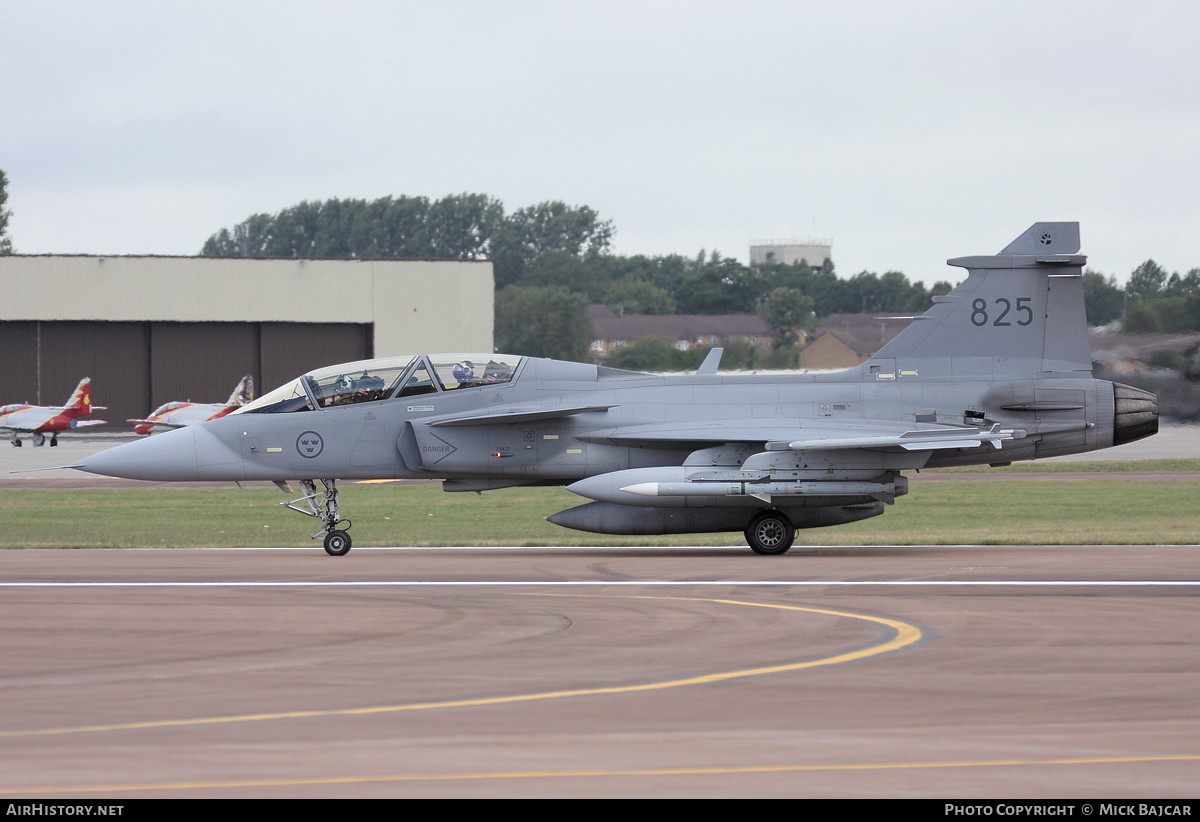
{"points": [[324, 506]]}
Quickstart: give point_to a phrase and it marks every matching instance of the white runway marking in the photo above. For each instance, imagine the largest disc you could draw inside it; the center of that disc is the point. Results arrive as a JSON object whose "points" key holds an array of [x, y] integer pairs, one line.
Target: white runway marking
{"points": [[1072, 583], [798, 551]]}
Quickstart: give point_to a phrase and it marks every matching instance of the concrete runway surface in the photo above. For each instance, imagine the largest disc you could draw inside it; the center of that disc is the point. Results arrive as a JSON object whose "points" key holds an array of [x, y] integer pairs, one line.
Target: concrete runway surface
{"points": [[986, 671]]}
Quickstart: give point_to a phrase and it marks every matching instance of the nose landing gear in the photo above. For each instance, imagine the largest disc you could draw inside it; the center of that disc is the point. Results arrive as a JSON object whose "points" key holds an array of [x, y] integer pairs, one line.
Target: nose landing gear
{"points": [[337, 543], [324, 506]]}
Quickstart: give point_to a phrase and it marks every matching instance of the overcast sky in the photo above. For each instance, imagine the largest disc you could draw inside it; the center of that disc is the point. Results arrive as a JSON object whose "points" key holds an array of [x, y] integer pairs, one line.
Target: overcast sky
{"points": [[906, 132]]}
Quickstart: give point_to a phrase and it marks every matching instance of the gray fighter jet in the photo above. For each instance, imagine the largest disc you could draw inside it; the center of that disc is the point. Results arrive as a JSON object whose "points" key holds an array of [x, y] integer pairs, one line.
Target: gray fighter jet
{"points": [[998, 370]]}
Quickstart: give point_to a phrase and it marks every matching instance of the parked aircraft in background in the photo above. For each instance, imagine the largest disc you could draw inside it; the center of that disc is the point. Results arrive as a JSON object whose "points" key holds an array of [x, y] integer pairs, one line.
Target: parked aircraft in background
{"points": [[998, 370], [41, 420], [179, 414]]}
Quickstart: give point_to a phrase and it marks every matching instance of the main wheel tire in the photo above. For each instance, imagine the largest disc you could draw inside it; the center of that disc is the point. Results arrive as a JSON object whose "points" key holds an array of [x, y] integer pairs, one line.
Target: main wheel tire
{"points": [[770, 534], [38, 439], [337, 543]]}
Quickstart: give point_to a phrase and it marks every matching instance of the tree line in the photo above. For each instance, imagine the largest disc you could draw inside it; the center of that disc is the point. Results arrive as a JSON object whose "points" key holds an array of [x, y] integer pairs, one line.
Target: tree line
{"points": [[1150, 301], [5, 240], [551, 260]]}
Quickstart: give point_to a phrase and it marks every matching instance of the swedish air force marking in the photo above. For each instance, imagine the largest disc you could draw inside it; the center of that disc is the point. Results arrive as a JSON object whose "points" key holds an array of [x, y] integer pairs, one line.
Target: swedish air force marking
{"points": [[309, 444]]}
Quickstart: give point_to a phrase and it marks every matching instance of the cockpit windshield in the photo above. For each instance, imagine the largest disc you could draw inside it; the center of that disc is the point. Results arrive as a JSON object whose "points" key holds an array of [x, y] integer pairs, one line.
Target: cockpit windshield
{"points": [[374, 380], [473, 370], [366, 382]]}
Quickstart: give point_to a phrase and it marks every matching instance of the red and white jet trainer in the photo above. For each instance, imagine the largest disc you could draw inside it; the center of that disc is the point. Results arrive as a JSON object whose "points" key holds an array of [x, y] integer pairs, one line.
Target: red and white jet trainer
{"points": [[180, 414], [42, 420]]}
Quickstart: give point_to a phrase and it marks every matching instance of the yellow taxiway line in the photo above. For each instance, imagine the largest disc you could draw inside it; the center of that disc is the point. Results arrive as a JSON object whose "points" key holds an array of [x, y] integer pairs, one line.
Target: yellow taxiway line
{"points": [[905, 634], [583, 773]]}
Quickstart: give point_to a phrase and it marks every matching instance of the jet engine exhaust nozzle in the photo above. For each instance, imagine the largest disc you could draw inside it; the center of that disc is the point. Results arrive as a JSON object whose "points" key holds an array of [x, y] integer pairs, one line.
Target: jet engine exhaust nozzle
{"points": [[1135, 414]]}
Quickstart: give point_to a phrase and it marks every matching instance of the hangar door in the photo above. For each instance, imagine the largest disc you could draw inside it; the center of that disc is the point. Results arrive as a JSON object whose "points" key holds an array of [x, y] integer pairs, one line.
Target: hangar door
{"points": [[137, 366]]}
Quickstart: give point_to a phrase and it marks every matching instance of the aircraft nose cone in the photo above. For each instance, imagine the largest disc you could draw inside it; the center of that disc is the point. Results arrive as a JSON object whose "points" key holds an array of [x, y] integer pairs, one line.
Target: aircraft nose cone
{"points": [[169, 457]]}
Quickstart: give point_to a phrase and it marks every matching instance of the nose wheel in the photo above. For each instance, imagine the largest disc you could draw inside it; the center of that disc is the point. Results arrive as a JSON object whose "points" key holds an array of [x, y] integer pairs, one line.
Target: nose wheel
{"points": [[323, 505], [337, 543]]}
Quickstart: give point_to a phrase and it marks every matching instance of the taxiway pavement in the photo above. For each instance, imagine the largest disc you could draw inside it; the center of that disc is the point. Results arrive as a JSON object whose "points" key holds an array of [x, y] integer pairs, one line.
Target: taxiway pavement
{"points": [[949, 671]]}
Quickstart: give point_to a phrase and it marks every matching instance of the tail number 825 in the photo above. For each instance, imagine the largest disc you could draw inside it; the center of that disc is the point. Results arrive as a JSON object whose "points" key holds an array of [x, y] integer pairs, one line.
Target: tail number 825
{"points": [[980, 317]]}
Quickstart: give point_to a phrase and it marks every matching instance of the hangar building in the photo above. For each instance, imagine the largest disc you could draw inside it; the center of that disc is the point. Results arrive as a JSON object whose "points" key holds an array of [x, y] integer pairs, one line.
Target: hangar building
{"points": [[149, 330]]}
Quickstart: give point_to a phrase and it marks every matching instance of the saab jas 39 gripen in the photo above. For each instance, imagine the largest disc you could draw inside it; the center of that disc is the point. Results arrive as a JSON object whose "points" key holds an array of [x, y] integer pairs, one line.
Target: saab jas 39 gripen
{"points": [[998, 370]]}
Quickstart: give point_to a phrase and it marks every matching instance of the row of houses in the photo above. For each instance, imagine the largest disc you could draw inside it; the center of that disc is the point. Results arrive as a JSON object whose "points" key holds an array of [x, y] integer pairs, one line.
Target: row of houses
{"points": [[842, 341], [683, 331]]}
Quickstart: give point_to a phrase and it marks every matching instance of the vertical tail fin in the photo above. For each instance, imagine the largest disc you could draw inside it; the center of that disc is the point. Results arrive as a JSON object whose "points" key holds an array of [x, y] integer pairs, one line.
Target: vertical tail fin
{"points": [[1018, 313], [81, 400], [244, 392]]}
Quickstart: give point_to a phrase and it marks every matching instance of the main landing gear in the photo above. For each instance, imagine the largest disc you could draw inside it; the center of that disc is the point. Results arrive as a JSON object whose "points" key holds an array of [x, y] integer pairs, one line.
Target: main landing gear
{"points": [[324, 506], [38, 439], [770, 533]]}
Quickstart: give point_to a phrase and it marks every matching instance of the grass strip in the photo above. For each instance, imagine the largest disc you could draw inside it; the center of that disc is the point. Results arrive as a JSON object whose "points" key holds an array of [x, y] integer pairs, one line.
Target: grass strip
{"points": [[1099, 467], [1076, 511]]}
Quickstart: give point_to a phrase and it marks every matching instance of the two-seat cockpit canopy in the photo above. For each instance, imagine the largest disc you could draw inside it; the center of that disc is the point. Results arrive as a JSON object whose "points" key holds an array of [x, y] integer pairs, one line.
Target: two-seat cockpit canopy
{"points": [[383, 379]]}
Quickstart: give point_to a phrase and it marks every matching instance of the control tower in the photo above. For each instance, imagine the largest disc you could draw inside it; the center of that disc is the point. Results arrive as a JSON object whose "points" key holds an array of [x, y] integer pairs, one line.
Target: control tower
{"points": [[813, 250]]}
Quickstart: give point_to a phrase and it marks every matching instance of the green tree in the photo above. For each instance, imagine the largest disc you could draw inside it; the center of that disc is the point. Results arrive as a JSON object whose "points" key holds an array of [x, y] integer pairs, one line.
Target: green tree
{"points": [[662, 272], [894, 291], [1146, 281], [739, 354], [1162, 303], [631, 296], [1178, 314], [718, 285], [1103, 299], [459, 227], [5, 240], [645, 354], [785, 311], [1140, 318], [530, 233], [1185, 286], [822, 285], [917, 300], [656, 354], [585, 276], [546, 321]]}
